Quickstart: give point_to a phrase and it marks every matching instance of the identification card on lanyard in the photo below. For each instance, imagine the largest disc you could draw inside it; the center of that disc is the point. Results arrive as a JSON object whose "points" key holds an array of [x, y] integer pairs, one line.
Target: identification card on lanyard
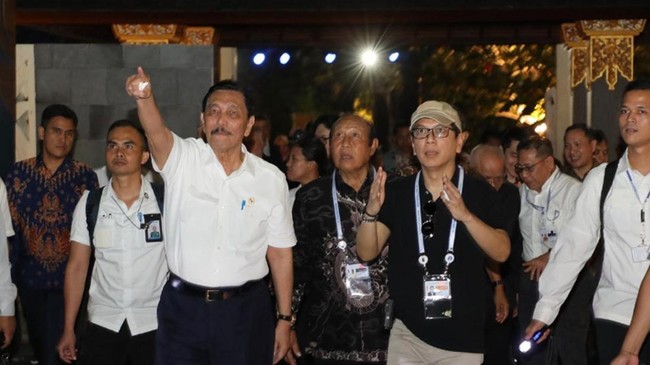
{"points": [[436, 289], [437, 296], [641, 252], [358, 282]]}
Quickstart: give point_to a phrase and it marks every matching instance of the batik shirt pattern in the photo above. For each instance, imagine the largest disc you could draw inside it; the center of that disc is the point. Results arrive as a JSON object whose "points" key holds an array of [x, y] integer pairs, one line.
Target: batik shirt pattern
{"points": [[332, 324], [41, 204]]}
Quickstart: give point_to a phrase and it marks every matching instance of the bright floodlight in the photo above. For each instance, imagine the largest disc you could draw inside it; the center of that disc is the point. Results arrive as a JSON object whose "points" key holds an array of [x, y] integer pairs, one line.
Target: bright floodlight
{"points": [[330, 57], [369, 57], [284, 58], [259, 58], [393, 56]]}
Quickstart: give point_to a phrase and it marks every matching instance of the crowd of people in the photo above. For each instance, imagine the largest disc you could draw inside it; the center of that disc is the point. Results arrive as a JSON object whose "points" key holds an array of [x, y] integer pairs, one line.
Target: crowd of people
{"points": [[318, 249]]}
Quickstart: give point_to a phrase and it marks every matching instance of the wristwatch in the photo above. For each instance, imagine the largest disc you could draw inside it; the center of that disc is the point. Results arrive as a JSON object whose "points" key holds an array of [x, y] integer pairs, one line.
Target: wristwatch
{"points": [[497, 283], [289, 318]]}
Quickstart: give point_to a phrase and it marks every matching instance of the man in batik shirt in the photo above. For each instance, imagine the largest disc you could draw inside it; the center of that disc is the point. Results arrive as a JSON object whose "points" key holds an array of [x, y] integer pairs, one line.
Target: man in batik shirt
{"points": [[339, 300], [43, 192]]}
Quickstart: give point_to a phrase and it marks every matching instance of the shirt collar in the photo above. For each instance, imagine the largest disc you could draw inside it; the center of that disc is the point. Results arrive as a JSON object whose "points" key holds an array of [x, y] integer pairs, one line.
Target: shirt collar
{"points": [[546, 186], [109, 192], [67, 162], [248, 165], [367, 182]]}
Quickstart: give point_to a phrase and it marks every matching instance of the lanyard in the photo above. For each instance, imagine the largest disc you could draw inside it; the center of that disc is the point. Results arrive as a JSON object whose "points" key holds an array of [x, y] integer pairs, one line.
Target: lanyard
{"points": [[449, 257], [337, 214], [544, 210], [642, 215]]}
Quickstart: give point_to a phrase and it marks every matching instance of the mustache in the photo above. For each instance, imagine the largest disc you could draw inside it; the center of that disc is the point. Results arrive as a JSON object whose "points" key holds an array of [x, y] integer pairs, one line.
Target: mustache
{"points": [[220, 130]]}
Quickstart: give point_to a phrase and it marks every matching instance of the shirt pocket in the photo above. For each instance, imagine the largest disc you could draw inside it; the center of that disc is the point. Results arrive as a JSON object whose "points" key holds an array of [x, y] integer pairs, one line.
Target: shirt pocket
{"points": [[104, 231]]}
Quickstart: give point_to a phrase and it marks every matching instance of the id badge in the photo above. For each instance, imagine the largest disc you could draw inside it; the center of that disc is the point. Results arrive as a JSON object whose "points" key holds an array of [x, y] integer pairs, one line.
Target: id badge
{"points": [[357, 279], [436, 296], [153, 228], [550, 238], [640, 253]]}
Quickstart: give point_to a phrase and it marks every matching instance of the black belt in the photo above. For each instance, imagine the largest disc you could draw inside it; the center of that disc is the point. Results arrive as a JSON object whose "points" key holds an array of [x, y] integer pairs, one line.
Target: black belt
{"points": [[211, 294]]}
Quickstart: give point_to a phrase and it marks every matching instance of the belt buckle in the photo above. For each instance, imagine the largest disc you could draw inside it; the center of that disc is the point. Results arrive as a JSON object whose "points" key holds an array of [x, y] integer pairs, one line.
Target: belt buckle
{"points": [[211, 295]]}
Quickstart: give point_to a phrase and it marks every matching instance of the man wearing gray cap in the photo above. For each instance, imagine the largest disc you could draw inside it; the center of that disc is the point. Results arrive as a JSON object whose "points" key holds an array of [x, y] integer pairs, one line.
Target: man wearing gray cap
{"points": [[440, 222]]}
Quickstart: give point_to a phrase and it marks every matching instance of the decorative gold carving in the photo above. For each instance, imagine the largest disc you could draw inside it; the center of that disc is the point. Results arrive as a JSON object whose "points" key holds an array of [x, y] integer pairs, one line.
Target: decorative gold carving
{"points": [[147, 33], [631, 27], [609, 54], [606, 48], [198, 36], [573, 36], [578, 44], [579, 66]]}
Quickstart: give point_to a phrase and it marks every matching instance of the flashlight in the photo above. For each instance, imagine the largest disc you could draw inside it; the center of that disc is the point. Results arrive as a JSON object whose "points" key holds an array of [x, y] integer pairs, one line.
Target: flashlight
{"points": [[527, 345]]}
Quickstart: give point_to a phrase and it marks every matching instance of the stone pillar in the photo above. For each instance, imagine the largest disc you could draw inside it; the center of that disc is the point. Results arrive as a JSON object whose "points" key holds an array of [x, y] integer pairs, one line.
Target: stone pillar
{"points": [[227, 63], [7, 83]]}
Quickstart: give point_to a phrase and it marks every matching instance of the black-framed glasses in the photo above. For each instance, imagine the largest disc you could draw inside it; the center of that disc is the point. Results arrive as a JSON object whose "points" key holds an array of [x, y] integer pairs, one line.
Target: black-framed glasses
{"points": [[439, 131], [527, 168], [429, 225]]}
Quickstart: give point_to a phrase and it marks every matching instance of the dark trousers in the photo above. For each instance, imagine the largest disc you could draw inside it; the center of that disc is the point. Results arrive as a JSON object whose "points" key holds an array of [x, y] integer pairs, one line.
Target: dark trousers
{"points": [[610, 336], [43, 310], [102, 346], [528, 295], [498, 338], [235, 331], [571, 328], [568, 344]]}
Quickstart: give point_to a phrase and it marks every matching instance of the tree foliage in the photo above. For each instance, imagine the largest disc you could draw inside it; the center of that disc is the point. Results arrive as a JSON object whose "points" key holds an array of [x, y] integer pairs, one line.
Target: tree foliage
{"points": [[482, 81]]}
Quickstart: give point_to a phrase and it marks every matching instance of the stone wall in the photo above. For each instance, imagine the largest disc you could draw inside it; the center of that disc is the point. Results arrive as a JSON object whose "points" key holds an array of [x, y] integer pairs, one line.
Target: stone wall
{"points": [[90, 78]]}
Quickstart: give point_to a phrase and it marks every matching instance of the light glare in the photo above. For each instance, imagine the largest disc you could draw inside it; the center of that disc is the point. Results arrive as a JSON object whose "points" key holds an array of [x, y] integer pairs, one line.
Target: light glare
{"points": [[284, 58], [393, 56], [259, 58], [330, 57], [369, 57]]}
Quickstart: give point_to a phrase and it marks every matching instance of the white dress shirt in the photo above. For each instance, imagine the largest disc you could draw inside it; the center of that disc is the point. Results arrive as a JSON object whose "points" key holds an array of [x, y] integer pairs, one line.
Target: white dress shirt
{"points": [[621, 275], [7, 288], [543, 214], [220, 226], [129, 273]]}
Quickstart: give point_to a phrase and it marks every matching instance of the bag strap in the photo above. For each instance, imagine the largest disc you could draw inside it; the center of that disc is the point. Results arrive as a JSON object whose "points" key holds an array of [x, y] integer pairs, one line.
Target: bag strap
{"points": [[610, 172], [159, 191], [599, 252], [92, 210]]}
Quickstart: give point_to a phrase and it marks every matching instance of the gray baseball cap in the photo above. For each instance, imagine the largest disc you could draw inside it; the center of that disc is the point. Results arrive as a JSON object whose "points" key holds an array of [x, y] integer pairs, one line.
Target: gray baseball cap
{"points": [[439, 111]]}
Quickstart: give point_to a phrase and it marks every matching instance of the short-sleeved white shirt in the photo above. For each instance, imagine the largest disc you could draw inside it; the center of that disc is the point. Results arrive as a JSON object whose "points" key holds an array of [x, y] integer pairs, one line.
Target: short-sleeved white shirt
{"points": [[540, 215], [129, 273], [7, 288], [219, 226]]}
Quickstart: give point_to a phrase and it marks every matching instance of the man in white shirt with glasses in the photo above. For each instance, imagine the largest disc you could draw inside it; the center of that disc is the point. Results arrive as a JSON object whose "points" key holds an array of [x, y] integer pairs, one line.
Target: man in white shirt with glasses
{"points": [[547, 201]]}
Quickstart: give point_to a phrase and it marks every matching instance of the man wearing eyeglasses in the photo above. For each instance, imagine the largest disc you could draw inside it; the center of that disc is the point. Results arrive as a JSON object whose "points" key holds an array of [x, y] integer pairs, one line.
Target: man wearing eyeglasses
{"points": [[547, 200], [440, 223]]}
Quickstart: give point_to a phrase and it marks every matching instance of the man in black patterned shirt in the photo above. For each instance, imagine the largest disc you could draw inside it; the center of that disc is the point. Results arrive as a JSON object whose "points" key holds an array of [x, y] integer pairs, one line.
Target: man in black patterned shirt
{"points": [[339, 301]]}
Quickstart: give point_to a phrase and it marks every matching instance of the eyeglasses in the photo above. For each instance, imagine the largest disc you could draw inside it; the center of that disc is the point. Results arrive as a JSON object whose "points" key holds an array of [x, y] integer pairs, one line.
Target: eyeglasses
{"points": [[429, 226], [439, 131], [519, 169]]}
